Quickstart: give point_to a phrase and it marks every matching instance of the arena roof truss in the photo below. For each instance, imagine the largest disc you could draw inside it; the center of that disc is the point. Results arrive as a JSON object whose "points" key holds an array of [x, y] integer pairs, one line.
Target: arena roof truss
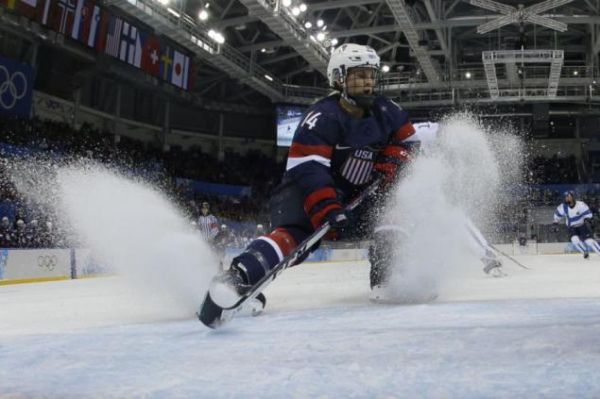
{"points": [[437, 51]]}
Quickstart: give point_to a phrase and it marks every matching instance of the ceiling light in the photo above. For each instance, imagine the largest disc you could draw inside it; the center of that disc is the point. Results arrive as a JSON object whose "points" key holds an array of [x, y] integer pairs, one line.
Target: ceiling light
{"points": [[385, 68], [203, 15], [295, 11], [216, 36], [320, 36], [320, 23], [303, 7], [308, 25], [575, 72], [268, 78], [334, 42], [468, 75], [286, 3], [169, 9]]}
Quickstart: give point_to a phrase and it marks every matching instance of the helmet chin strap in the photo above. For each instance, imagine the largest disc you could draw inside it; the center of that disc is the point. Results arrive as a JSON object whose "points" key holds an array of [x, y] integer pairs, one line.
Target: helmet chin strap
{"points": [[359, 101]]}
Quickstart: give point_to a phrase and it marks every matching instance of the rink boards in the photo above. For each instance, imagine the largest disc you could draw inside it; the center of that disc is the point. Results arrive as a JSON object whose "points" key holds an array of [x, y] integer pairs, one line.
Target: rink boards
{"points": [[36, 265]]}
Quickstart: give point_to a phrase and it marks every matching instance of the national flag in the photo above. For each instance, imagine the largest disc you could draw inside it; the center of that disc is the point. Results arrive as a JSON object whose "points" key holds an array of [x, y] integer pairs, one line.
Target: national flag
{"points": [[62, 16], [100, 30], [10, 4], [77, 20], [88, 26], [151, 53], [113, 36], [131, 45], [181, 69], [27, 8], [166, 64]]}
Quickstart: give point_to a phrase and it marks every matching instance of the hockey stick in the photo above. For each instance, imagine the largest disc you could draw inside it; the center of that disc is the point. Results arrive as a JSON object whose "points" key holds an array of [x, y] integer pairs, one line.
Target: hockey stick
{"points": [[214, 316], [510, 257]]}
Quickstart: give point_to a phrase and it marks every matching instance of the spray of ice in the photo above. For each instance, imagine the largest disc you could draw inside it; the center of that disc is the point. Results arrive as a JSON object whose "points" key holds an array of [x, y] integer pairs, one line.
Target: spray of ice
{"points": [[131, 228], [459, 175]]}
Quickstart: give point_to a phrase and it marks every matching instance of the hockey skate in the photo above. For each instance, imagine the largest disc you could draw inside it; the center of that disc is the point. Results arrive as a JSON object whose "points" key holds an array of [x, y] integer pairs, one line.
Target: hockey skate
{"points": [[586, 255], [225, 291], [493, 267]]}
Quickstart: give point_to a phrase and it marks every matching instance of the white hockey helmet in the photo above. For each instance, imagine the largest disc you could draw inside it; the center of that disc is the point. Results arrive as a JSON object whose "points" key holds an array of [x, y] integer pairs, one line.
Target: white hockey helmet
{"points": [[349, 56]]}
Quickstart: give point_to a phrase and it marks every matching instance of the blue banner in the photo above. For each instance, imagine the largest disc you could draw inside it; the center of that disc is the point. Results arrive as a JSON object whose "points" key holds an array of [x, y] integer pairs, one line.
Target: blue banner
{"points": [[198, 186], [16, 88]]}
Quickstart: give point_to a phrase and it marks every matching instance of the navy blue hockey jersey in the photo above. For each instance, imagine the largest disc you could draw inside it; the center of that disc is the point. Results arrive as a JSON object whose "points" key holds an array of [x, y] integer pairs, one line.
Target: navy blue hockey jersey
{"points": [[332, 152]]}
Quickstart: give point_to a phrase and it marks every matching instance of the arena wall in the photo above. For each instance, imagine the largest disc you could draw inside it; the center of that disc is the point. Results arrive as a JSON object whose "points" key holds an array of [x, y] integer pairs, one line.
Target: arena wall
{"points": [[35, 265]]}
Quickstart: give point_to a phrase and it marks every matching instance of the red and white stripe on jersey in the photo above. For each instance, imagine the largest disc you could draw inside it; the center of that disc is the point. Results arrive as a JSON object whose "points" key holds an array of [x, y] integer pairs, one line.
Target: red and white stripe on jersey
{"points": [[357, 171], [301, 153], [282, 242]]}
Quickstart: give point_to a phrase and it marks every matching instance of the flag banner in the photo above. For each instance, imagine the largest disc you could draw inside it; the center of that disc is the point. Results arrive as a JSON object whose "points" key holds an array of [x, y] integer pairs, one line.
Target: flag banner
{"points": [[113, 36], [61, 15], [10, 4], [16, 81], [85, 28], [97, 28], [181, 68], [131, 45], [27, 8], [151, 52], [166, 63]]}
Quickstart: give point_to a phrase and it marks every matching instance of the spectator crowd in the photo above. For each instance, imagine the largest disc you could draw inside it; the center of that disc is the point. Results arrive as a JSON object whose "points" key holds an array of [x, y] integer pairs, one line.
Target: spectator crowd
{"points": [[238, 216], [27, 227]]}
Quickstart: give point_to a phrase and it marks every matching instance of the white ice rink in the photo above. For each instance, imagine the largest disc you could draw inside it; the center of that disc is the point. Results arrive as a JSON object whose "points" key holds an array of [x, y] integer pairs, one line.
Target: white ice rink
{"points": [[534, 333]]}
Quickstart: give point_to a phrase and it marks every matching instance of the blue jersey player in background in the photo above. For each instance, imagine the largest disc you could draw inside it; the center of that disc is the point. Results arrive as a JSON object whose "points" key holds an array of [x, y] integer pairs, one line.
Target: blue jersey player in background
{"points": [[577, 217], [342, 143]]}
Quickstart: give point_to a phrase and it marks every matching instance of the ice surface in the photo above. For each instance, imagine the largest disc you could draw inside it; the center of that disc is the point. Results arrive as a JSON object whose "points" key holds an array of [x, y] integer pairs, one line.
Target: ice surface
{"points": [[531, 334]]}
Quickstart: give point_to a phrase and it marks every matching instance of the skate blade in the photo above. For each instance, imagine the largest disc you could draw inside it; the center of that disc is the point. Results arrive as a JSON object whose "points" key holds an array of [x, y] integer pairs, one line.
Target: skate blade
{"points": [[253, 307]]}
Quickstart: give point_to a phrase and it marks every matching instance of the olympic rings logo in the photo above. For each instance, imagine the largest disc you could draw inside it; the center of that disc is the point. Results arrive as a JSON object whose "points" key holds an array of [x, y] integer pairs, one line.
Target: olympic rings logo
{"points": [[47, 262], [9, 84]]}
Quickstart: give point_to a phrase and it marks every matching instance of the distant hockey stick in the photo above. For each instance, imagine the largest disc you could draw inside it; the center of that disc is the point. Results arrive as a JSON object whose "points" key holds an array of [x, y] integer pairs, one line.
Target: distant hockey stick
{"points": [[510, 257], [214, 316]]}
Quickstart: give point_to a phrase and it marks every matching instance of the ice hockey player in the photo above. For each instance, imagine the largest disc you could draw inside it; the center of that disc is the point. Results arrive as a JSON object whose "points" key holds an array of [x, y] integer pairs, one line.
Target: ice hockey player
{"points": [[425, 134], [341, 144], [577, 218]]}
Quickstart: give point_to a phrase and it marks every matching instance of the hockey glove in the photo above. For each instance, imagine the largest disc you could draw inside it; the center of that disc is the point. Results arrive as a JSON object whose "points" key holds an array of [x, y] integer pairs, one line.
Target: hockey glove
{"points": [[390, 162], [337, 219]]}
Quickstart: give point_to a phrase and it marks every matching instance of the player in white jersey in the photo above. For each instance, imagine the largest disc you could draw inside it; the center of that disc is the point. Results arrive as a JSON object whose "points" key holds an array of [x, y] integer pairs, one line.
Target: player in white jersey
{"points": [[577, 216], [208, 225], [426, 133]]}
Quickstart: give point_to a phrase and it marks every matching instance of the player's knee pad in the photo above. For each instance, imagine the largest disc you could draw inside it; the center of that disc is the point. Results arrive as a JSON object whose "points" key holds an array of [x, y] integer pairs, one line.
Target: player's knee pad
{"points": [[263, 254], [381, 255]]}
